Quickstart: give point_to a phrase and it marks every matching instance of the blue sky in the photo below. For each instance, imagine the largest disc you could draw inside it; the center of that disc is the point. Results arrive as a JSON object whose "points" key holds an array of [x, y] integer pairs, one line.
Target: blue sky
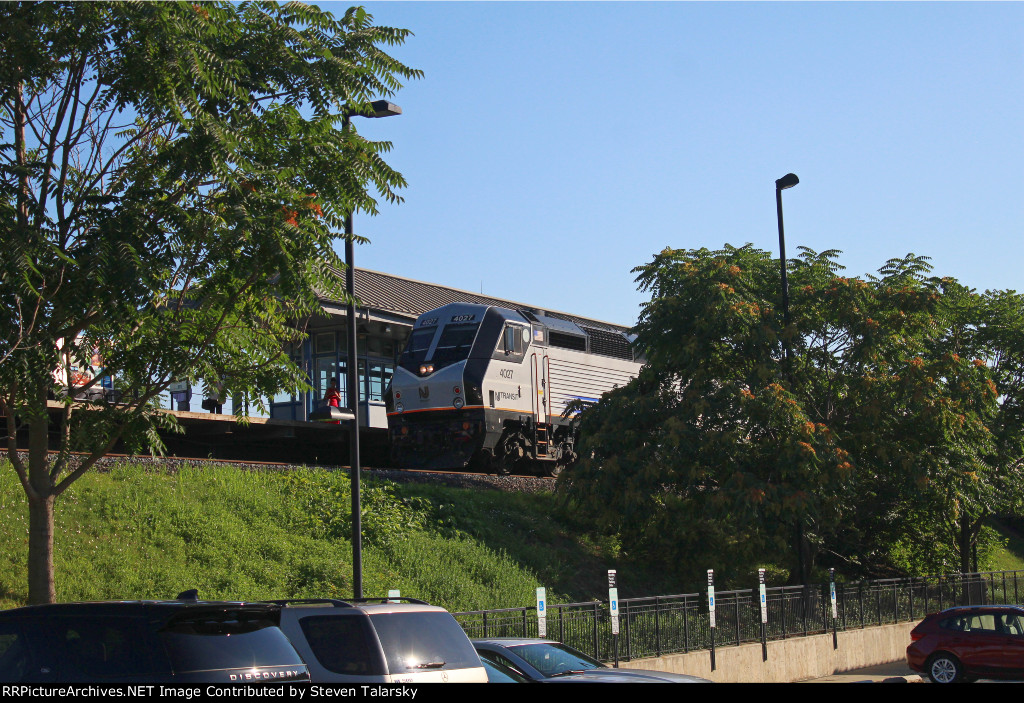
{"points": [[553, 146]]}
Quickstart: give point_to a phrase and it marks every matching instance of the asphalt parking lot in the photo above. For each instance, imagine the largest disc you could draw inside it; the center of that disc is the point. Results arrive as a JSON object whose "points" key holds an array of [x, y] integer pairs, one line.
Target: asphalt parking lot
{"points": [[893, 672]]}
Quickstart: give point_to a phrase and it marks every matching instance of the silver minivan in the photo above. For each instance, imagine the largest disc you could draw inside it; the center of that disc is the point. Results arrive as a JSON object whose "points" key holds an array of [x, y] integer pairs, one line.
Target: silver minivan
{"points": [[380, 640]]}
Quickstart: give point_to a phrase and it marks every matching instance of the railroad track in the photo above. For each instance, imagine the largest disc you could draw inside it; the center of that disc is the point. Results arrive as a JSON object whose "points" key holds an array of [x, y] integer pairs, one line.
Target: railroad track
{"points": [[451, 477]]}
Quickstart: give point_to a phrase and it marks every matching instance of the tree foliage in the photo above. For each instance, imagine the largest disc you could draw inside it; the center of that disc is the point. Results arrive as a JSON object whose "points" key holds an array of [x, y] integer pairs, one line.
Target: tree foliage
{"points": [[722, 450], [172, 177]]}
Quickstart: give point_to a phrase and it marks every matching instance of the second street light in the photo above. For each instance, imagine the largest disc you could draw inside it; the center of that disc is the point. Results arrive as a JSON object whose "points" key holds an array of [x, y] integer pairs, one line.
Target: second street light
{"points": [[381, 108]]}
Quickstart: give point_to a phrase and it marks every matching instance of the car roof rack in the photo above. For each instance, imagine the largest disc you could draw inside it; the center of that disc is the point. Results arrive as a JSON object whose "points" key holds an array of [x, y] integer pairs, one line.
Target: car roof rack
{"points": [[349, 603]]}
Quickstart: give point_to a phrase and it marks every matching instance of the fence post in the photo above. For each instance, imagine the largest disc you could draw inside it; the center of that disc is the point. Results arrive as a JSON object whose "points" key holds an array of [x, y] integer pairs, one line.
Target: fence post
{"points": [[686, 627], [911, 599], [625, 617], [657, 626], [860, 598], [597, 654], [561, 626], [803, 605], [842, 598], [896, 601], [485, 624], [782, 602], [525, 632]]}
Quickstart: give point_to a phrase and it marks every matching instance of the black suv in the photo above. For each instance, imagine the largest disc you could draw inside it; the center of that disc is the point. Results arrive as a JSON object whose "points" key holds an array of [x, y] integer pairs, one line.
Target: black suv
{"points": [[179, 641]]}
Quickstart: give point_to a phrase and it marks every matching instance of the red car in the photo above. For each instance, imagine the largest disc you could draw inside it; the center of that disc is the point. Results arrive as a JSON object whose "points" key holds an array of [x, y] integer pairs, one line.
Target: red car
{"points": [[968, 643]]}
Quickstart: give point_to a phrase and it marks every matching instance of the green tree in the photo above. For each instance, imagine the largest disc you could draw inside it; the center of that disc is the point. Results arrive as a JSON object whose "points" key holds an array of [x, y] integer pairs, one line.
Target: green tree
{"points": [[173, 175], [976, 468], [721, 446]]}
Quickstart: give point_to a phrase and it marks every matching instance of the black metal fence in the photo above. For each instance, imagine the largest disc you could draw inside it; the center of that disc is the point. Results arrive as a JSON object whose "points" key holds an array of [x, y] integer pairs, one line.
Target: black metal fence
{"points": [[657, 625]]}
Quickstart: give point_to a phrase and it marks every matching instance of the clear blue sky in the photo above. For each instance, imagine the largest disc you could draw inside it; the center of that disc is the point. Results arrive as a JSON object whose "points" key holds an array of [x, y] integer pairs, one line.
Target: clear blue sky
{"points": [[551, 147]]}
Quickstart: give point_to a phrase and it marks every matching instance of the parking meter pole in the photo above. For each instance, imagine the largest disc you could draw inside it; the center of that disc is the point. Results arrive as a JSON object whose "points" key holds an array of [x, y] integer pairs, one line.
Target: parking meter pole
{"points": [[542, 612], [711, 613], [835, 613], [613, 607], [763, 597]]}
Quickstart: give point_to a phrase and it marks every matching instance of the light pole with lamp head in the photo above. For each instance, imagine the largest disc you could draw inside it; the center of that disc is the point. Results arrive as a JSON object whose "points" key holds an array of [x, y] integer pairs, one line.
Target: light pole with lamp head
{"points": [[788, 181], [381, 108]]}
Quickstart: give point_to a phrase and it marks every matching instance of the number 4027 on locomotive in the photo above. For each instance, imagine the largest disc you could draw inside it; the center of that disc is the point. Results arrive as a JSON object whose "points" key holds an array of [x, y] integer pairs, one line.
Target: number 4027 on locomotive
{"points": [[486, 387]]}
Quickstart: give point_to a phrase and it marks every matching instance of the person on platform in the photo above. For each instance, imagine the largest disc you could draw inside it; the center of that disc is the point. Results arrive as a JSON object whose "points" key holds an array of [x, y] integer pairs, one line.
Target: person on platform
{"points": [[333, 399]]}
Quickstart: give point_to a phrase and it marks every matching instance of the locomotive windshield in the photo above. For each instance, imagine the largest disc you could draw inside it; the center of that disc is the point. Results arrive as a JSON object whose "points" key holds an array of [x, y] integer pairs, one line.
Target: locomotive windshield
{"points": [[454, 344], [416, 348]]}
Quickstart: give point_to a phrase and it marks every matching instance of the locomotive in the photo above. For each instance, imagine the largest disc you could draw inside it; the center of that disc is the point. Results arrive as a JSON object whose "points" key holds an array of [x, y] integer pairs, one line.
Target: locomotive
{"points": [[487, 387]]}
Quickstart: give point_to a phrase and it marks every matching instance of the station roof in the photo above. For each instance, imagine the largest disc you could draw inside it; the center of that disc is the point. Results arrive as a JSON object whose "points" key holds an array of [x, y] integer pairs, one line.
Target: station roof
{"points": [[405, 297]]}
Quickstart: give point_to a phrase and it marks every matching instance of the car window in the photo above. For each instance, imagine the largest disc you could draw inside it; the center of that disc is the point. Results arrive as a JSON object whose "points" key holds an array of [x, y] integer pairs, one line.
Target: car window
{"points": [[497, 673], [105, 647], [342, 644], [551, 658], [982, 623], [423, 641], [487, 655], [229, 640], [958, 624], [1012, 624]]}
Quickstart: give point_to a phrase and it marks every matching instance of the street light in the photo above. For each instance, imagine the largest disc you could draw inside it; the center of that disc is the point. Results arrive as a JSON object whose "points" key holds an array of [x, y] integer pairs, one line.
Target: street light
{"points": [[787, 181], [381, 108]]}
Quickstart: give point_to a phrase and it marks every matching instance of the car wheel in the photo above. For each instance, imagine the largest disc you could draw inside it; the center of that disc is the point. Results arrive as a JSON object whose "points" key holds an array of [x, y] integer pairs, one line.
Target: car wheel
{"points": [[944, 668]]}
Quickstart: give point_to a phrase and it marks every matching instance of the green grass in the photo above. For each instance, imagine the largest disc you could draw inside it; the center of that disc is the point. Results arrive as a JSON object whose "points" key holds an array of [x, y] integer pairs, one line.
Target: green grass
{"points": [[1010, 556], [236, 534]]}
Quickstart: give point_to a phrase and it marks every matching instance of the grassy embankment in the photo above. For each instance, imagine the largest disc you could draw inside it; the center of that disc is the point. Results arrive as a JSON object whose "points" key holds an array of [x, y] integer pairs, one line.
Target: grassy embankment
{"points": [[236, 534]]}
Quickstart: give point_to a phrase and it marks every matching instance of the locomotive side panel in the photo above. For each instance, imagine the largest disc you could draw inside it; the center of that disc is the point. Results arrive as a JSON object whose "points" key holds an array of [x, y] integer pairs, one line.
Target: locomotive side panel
{"points": [[577, 376]]}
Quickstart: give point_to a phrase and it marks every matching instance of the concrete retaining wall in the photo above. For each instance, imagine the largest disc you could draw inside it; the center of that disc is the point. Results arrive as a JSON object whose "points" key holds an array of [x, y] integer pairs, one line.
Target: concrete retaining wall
{"points": [[795, 659]]}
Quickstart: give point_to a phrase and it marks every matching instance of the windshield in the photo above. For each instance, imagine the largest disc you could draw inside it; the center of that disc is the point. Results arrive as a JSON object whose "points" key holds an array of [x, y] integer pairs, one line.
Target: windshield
{"points": [[454, 344], [423, 642], [550, 658], [416, 348]]}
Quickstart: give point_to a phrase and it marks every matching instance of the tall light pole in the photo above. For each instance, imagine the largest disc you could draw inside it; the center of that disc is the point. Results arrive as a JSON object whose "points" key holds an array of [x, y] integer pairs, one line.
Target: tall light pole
{"points": [[787, 181], [381, 108]]}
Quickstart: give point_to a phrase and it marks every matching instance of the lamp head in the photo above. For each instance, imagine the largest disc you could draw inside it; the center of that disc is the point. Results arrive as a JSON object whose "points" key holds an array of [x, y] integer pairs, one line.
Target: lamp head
{"points": [[787, 181], [383, 108]]}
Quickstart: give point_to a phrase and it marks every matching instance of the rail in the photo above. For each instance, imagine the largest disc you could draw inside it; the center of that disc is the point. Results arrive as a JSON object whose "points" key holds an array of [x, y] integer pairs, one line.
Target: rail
{"points": [[657, 625]]}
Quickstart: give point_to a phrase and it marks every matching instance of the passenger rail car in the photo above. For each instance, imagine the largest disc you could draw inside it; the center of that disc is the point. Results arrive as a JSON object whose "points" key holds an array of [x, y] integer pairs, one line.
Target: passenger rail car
{"points": [[486, 387]]}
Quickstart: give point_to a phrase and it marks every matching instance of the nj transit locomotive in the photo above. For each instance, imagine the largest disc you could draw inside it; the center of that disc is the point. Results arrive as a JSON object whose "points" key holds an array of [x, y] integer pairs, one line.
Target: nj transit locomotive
{"points": [[485, 387]]}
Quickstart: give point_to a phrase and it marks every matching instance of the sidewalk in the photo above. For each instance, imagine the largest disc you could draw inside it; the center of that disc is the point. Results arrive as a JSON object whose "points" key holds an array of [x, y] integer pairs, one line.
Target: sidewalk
{"points": [[893, 672]]}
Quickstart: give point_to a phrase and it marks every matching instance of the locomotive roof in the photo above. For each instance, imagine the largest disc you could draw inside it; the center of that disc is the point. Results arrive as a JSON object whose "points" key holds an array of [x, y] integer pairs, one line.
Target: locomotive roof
{"points": [[406, 297]]}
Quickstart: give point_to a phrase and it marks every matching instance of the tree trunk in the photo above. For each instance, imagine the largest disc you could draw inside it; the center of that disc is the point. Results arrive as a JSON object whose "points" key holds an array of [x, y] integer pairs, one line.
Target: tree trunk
{"points": [[40, 515], [40, 551], [964, 543]]}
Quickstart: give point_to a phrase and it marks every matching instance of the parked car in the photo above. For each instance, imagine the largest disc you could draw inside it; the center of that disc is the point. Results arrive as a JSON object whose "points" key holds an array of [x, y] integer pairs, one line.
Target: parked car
{"points": [[380, 640], [549, 661], [968, 643], [182, 641]]}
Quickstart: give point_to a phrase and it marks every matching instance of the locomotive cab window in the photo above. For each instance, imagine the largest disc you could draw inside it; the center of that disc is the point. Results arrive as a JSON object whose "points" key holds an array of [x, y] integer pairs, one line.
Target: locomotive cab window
{"points": [[513, 343], [454, 344], [416, 349]]}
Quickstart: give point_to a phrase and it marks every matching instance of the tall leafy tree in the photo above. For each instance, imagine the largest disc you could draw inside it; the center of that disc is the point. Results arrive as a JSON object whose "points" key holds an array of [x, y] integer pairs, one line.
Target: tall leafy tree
{"points": [[722, 445], [173, 176]]}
